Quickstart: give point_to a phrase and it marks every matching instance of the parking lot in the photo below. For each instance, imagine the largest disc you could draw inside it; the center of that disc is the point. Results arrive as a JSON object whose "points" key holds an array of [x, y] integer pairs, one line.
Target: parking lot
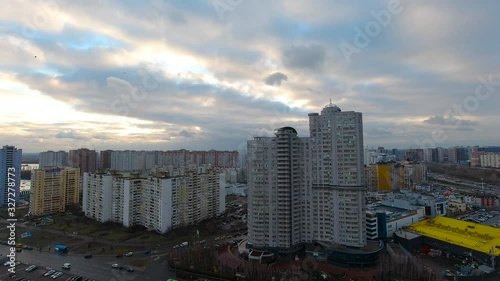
{"points": [[490, 218], [37, 274]]}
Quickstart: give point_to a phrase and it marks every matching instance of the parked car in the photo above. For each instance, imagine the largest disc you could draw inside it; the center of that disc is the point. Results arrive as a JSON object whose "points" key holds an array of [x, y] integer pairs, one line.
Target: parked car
{"points": [[130, 269], [31, 268], [119, 255], [115, 265], [129, 254], [50, 272], [88, 256]]}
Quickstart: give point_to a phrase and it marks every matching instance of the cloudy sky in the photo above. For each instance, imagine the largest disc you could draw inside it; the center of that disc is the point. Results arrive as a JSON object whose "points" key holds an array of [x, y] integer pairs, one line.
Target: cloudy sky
{"points": [[211, 74]]}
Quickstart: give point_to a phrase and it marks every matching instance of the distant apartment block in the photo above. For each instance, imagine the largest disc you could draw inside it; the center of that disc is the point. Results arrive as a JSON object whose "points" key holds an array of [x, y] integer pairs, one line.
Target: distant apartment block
{"points": [[475, 158], [83, 158], [490, 159], [458, 155], [374, 156], [10, 173], [132, 160], [105, 159], [52, 159], [53, 190], [159, 202], [395, 176]]}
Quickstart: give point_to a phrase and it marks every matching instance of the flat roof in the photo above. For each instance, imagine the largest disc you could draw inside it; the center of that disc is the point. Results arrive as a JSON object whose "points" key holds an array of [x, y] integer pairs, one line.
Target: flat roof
{"points": [[474, 236]]}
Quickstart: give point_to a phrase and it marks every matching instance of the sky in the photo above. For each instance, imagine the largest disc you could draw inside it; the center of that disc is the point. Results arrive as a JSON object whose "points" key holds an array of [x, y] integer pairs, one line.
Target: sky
{"points": [[212, 74]]}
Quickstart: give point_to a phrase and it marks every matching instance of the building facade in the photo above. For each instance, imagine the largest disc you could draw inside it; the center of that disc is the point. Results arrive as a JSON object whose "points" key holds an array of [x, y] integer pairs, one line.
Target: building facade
{"points": [[490, 159], [132, 160], [52, 159], [105, 159], [304, 190], [53, 190], [275, 169], [83, 158], [160, 203], [10, 174]]}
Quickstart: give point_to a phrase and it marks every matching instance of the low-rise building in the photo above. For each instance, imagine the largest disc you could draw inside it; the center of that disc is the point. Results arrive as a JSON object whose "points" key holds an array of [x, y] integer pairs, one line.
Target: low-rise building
{"points": [[382, 221]]}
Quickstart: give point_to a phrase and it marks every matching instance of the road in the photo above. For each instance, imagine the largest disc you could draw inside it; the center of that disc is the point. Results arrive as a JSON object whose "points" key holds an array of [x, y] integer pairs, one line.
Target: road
{"points": [[98, 267]]}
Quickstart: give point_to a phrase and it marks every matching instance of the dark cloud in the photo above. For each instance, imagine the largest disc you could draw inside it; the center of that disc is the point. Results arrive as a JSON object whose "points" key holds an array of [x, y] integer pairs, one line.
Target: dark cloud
{"points": [[187, 134], [275, 79], [304, 57], [452, 121]]}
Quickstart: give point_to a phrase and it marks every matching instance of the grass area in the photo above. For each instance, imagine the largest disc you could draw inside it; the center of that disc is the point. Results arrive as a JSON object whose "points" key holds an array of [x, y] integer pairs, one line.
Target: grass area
{"points": [[39, 237], [111, 234], [70, 241], [149, 238]]}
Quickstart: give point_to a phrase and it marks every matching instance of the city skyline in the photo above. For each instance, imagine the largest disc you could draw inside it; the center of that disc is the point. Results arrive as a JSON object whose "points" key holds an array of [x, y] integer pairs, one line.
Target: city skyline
{"points": [[168, 75]]}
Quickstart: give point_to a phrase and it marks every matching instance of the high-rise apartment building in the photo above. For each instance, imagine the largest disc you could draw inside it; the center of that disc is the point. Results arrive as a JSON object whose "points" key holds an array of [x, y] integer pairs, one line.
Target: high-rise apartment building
{"points": [[274, 212], [53, 190], [490, 159], [105, 159], [159, 203], [52, 159], [83, 158], [338, 173], [303, 190], [10, 173]]}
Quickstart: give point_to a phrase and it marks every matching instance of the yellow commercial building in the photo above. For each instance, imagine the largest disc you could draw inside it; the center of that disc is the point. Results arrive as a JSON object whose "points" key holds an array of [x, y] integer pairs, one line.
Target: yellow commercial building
{"points": [[52, 189], [384, 177], [473, 236]]}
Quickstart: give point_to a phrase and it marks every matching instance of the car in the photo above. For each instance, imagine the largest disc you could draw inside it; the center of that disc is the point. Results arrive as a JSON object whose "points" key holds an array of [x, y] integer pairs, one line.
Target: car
{"points": [[119, 255], [57, 275], [66, 265], [50, 272], [115, 265], [147, 252], [31, 268], [130, 269], [88, 256], [129, 254], [121, 267]]}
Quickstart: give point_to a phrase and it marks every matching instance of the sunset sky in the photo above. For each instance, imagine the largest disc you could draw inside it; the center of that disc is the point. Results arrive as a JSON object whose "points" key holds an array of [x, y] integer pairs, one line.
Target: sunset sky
{"points": [[212, 74]]}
